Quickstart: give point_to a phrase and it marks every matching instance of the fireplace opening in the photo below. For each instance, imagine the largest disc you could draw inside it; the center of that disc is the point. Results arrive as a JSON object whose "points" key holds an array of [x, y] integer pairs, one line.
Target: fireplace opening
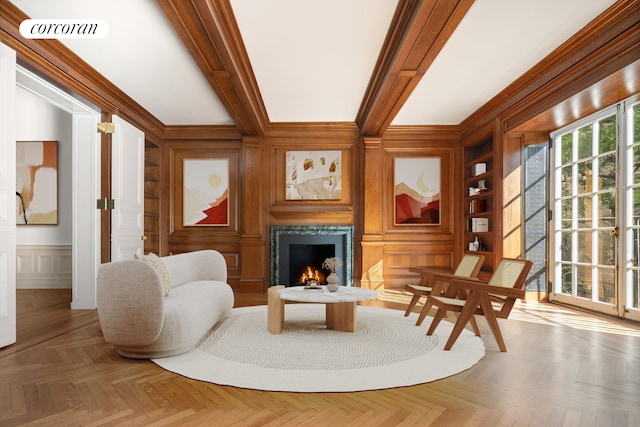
{"points": [[305, 263], [297, 248]]}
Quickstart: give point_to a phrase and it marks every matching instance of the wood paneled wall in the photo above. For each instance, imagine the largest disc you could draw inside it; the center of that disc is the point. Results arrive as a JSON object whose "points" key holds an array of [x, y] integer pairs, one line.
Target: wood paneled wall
{"points": [[383, 251], [388, 250]]}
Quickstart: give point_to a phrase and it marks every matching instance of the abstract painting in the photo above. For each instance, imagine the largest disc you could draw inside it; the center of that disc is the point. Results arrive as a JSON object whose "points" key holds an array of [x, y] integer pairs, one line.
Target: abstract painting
{"points": [[314, 175], [206, 192], [37, 182], [417, 191]]}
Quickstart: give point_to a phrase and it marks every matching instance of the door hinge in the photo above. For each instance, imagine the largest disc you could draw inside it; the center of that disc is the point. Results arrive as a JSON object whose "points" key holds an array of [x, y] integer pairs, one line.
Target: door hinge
{"points": [[549, 215], [105, 204], [106, 127]]}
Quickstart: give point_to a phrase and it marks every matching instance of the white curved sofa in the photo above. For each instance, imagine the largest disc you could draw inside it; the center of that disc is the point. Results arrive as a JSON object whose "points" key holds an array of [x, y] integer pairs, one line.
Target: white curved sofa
{"points": [[142, 323]]}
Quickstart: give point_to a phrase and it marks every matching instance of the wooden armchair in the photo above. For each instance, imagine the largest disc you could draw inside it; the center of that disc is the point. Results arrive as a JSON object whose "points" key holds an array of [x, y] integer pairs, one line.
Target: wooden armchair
{"points": [[493, 300], [469, 266]]}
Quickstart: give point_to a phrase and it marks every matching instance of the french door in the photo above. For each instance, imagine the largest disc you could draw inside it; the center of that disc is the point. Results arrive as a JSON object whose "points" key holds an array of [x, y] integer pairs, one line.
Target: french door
{"points": [[595, 191]]}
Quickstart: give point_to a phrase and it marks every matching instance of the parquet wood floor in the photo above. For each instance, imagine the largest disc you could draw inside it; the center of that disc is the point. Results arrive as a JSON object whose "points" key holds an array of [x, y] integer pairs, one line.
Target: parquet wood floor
{"points": [[563, 368]]}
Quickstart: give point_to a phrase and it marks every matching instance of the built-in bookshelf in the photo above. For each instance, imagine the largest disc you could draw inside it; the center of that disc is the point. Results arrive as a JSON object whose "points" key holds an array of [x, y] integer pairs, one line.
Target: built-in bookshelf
{"points": [[479, 206], [152, 198]]}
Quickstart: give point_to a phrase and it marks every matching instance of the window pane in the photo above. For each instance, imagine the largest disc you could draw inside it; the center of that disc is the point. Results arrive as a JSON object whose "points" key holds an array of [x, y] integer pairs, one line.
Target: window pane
{"points": [[585, 142], [607, 136], [585, 212], [567, 279], [607, 286], [583, 281], [636, 124], [635, 247], [607, 210], [636, 164], [584, 246], [606, 248], [567, 211], [607, 172], [565, 249], [636, 206], [585, 177], [567, 180], [634, 286], [567, 148]]}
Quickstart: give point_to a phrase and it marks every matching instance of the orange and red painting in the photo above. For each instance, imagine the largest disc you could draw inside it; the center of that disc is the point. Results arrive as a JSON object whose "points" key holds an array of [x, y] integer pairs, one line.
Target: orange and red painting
{"points": [[417, 191], [37, 182], [206, 192]]}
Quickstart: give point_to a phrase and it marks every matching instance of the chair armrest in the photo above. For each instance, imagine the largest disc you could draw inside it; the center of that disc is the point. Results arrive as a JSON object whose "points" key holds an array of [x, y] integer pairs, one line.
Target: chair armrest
{"points": [[477, 285], [430, 270], [130, 299], [449, 277]]}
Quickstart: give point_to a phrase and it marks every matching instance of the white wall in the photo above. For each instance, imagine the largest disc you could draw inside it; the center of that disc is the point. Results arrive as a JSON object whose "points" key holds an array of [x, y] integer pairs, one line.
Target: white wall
{"points": [[38, 120]]}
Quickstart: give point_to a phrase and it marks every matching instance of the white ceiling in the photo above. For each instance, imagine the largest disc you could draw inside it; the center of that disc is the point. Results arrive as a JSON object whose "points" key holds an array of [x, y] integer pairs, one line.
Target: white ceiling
{"points": [[313, 58]]}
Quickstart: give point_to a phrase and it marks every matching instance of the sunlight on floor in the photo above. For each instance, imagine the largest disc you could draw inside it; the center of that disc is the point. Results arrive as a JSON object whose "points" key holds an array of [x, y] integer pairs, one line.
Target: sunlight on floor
{"points": [[542, 313]]}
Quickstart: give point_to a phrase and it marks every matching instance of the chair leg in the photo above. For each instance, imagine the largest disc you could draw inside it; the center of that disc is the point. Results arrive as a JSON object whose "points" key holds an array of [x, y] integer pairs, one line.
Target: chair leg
{"points": [[490, 315], [436, 320], [412, 304], [423, 313], [474, 325], [467, 313]]}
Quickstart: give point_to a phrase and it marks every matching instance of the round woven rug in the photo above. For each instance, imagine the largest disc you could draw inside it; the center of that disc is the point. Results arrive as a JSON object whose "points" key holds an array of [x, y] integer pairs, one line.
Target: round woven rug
{"points": [[386, 351]]}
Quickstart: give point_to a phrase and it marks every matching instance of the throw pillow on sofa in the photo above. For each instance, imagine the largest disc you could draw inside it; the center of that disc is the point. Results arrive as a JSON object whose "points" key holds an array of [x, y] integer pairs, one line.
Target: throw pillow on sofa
{"points": [[155, 261]]}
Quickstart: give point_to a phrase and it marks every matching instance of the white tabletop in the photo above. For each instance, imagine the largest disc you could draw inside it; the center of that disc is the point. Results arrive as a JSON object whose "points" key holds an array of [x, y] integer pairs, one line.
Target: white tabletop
{"points": [[323, 295]]}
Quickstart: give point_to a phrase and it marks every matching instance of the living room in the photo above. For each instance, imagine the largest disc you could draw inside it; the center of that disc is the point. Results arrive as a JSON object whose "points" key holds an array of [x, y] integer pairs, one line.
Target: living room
{"points": [[597, 67]]}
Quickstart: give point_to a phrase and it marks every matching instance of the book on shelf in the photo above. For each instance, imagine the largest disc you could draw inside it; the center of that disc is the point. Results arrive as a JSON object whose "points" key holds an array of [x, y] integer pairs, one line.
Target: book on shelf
{"points": [[478, 225], [479, 169], [476, 206]]}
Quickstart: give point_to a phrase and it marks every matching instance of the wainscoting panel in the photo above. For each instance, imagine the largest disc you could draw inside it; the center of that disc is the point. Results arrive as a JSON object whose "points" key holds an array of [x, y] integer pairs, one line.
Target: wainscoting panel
{"points": [[43, 267]]}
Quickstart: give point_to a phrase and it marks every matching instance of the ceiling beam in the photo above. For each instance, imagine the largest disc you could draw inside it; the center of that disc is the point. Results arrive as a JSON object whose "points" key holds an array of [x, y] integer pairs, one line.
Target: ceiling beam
{"points": [[417, 33], [209, 31]]}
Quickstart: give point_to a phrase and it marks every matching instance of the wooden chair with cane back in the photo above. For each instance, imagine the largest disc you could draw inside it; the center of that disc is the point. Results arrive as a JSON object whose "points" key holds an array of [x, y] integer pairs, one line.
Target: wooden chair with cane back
{"points": [[469, 266], [493, 300]]}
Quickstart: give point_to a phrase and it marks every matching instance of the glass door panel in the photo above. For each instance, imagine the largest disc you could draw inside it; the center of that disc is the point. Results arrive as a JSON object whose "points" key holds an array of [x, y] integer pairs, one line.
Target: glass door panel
{"points": [[630, 283], [586, 209], [596, 200]]}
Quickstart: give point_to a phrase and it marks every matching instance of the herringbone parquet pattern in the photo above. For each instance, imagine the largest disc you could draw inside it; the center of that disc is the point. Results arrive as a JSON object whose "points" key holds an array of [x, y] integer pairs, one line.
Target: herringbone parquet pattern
{"points": [[563, 368]]}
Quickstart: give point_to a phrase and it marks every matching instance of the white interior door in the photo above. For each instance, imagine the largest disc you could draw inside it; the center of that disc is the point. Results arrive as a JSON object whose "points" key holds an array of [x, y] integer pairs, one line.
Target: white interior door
{"points": [[127, 191], [7, 197]]}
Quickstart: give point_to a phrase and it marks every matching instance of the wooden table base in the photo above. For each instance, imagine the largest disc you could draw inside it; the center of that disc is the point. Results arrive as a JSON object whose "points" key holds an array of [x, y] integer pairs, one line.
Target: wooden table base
{"points": [[341, 316]]}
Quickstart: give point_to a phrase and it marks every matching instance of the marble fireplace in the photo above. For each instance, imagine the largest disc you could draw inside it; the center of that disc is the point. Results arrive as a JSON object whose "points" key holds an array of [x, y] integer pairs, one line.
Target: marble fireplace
{"points": [[296, 249]]}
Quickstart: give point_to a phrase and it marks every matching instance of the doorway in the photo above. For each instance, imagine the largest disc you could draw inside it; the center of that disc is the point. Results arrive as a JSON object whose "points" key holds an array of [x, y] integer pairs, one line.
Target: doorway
{"points": [[595, 194], [85, 170]]}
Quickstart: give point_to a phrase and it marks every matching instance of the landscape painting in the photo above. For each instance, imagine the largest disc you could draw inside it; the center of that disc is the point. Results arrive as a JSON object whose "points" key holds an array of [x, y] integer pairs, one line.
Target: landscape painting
{"points": [[206, 192], [314, 175], [417, 191], [37, 182]]}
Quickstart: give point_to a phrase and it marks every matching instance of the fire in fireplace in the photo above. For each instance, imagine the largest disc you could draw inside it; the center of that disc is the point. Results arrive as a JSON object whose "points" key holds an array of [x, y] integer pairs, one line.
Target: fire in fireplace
{"points": [[297, 252], [305, 262]]}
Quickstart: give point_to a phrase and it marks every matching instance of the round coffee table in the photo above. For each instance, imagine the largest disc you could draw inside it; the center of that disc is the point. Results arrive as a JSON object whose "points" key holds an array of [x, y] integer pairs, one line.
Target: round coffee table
{"points": [[340, 305]]}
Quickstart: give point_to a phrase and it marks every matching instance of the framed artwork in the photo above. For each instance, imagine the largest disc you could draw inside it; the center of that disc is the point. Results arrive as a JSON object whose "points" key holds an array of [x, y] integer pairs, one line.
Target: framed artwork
{"points": [[205, 192], [416, 188], [37, 182], [314, 175]]}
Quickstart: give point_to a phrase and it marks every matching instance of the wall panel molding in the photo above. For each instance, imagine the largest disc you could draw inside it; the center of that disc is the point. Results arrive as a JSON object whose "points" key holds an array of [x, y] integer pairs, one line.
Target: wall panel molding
{"points": [[43, 267]]}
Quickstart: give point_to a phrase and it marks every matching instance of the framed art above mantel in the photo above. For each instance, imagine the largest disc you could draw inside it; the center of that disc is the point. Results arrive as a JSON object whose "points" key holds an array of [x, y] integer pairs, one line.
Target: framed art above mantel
{"points": [[314, 175]]}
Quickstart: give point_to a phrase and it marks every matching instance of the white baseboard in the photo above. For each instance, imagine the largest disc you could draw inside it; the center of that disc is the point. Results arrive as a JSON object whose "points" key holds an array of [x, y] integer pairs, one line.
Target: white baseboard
{"points": [[43, 266]]}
